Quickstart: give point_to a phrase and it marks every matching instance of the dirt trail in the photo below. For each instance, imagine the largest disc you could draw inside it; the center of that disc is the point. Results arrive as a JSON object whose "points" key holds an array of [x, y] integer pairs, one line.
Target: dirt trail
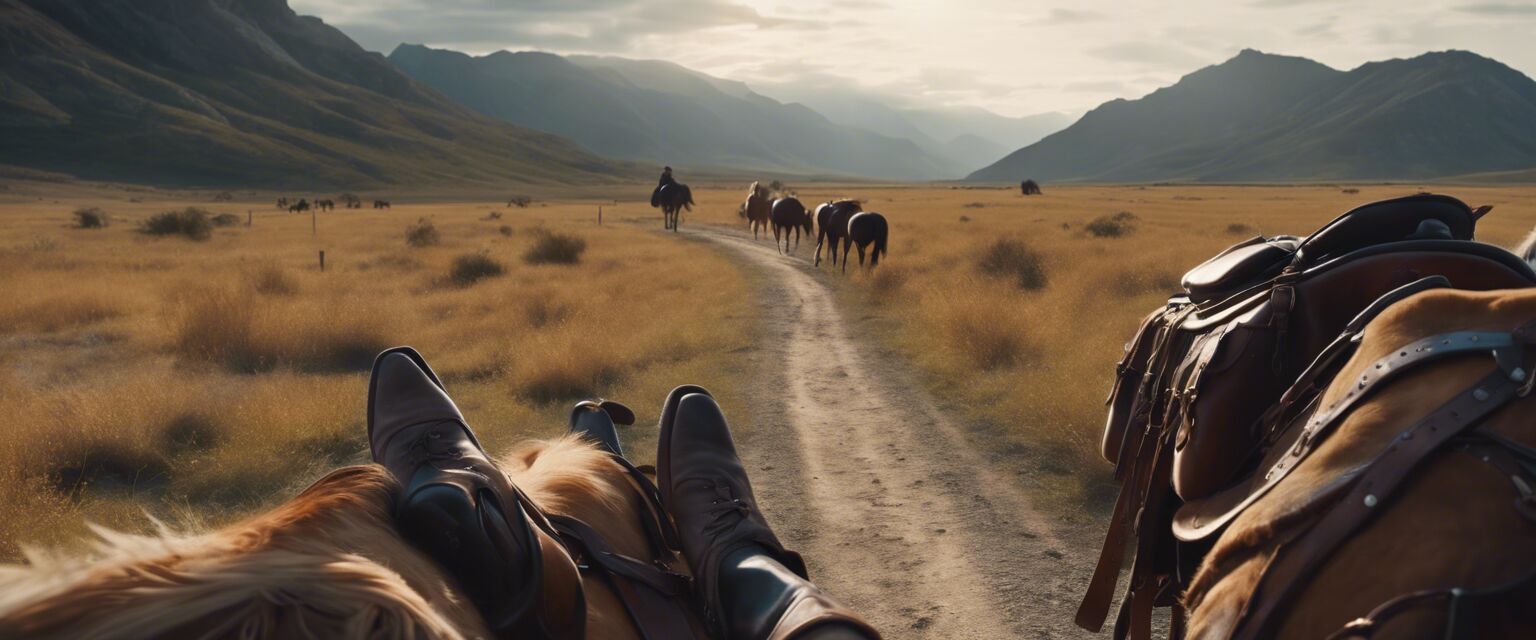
{"points": [[896, 509]]}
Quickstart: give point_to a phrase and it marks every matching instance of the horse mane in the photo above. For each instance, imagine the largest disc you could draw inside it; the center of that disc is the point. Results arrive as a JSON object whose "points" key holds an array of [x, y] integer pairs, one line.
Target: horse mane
{"points": [[1527, 248], [327, 563]]}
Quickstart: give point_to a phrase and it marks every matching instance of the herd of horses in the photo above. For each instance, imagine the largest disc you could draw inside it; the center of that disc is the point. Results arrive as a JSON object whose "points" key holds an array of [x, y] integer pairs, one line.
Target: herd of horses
{"points": [[837, 221], [326, 204]]}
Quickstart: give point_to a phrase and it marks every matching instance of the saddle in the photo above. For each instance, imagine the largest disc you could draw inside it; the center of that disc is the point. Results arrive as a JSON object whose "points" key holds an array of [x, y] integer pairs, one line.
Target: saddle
{"points": [[1213, 382]]}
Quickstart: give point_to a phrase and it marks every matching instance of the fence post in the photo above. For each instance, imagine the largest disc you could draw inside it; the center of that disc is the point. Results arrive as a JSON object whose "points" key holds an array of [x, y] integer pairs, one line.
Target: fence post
{"points": [[322, 260], [599, 215], [314, 223], [247, 218]]}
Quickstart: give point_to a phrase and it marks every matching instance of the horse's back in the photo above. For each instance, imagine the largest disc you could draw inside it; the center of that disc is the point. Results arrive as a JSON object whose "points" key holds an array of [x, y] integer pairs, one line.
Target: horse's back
{"points": [[1452, 523]]}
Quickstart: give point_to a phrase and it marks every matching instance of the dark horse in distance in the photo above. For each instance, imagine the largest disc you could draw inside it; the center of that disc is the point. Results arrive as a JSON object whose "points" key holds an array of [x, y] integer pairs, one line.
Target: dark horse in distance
{"points": [[863, 229], [832, 225], [789, 215], [672, 199]]}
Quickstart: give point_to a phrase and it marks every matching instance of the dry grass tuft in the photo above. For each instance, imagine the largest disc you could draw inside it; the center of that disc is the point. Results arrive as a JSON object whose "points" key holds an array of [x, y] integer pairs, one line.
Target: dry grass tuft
{"points": [[422, 234], [551, 247], [1113, 226], [91, 218], [233, 328], [1239, 229], [474, 267], [224, 220], [192, 222], [505, 230], [1014, 260], [270, 279]]}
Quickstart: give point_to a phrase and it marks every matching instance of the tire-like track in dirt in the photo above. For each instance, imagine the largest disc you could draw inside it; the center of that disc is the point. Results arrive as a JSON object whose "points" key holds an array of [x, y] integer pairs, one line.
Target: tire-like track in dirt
{"points": [[899, 511]]}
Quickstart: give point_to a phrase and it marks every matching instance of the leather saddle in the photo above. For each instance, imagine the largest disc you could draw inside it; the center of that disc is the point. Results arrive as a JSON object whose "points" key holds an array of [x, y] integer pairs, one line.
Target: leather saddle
{"points": [[1213, 385]]}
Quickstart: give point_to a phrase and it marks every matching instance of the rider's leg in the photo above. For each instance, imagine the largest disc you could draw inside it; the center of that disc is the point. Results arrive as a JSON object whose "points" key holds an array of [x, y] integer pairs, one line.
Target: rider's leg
{"points": [[752, 587], [756, 591]]}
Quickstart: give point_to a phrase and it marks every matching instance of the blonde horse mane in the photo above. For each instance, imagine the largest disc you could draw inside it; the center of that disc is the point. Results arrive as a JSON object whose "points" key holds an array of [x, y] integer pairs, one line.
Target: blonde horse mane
{"points": [[326, 563]]}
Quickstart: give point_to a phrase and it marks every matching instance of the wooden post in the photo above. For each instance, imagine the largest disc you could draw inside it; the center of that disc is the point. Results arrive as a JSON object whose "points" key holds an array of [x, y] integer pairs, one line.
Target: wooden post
{"points": [[314, 223], [599, 215], [322, 260], [247, 217]]}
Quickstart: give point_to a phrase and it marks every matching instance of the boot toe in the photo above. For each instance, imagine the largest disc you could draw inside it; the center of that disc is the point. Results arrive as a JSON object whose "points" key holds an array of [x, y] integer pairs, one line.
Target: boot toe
{"points": [[402, 394]]}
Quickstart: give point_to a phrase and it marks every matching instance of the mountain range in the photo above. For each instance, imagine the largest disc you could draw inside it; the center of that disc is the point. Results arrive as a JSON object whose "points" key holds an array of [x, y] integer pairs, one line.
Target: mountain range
{"points": [[1263, 117], [661, 112], [241, 92]]}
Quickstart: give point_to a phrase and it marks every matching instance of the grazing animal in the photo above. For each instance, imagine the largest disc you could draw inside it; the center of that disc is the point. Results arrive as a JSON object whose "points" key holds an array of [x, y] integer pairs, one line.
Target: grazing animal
{"points": [[1527, 249], [789, 215], [672, 198], [381, 204], [864, 229], [1462, 518], [327, 564], [325, 205], [1029, 188], [282, 203], [301, 205], [759, 207], [832, 225]]}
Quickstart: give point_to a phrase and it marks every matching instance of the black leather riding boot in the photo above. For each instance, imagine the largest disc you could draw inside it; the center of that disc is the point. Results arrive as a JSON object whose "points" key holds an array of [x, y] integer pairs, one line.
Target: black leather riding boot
{"points": [[457, 506], [750, 586], [760, 598]]}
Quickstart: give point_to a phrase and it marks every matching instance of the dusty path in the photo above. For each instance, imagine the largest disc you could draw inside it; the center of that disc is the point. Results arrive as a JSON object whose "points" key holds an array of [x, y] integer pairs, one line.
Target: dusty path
{"points": [[897, 510]]}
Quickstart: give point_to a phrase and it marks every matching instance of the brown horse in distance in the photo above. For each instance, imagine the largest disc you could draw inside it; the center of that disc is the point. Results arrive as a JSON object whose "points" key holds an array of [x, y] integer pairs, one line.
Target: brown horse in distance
{"points": [[789, 215], [327, 563], [832, 225], [865, 229], [759, 207], [1463, 519]]}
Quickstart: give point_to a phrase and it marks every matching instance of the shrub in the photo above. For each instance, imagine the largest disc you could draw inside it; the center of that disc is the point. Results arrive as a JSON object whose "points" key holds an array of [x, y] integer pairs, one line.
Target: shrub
{"points": [[1238, 228], [191, 222], [90, 218], [519, 201], [224, 220], [494, 215], [973, 205], [422, 234], [1012, 259], [1351, 191], [1112, 226], [965, 218], [474, 267], [555, 248], [506, 230]]}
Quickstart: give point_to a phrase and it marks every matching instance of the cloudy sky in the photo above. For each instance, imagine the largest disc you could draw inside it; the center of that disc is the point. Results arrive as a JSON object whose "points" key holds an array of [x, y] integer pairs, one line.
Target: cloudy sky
{"points": [[1015, 57]]}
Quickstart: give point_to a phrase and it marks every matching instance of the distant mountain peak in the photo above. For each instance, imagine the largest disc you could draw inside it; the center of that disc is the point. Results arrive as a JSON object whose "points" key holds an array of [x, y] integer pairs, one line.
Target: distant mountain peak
{"points": [[1267, 117]]}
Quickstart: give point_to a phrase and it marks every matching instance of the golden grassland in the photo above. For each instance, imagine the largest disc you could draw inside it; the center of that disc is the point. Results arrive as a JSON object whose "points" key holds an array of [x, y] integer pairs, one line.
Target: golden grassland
{"points": [[1037, 362], [198, 381]]}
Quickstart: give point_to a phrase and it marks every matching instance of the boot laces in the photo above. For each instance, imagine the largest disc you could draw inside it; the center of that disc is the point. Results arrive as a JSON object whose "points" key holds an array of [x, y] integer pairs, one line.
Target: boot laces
{"points": [[726, 511], [430, 444]]}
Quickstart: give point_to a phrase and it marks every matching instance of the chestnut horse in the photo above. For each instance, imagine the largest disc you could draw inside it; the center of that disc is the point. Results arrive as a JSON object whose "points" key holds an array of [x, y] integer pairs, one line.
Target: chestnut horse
{"points": [[864, 229], [758, 208], [1458, 521], [832, 225], [326, 564], [789, 215]]}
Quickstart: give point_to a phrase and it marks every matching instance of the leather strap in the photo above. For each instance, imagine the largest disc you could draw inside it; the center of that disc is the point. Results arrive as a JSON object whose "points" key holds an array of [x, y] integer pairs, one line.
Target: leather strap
{"points": [[1377, 375], [1293, 561], [1137, 480], [656, 600]]}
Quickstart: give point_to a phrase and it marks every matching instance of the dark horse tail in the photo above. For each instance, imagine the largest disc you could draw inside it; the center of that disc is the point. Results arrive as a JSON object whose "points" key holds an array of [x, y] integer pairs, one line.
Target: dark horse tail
{"points": [[874, 259], [687, 196]]}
